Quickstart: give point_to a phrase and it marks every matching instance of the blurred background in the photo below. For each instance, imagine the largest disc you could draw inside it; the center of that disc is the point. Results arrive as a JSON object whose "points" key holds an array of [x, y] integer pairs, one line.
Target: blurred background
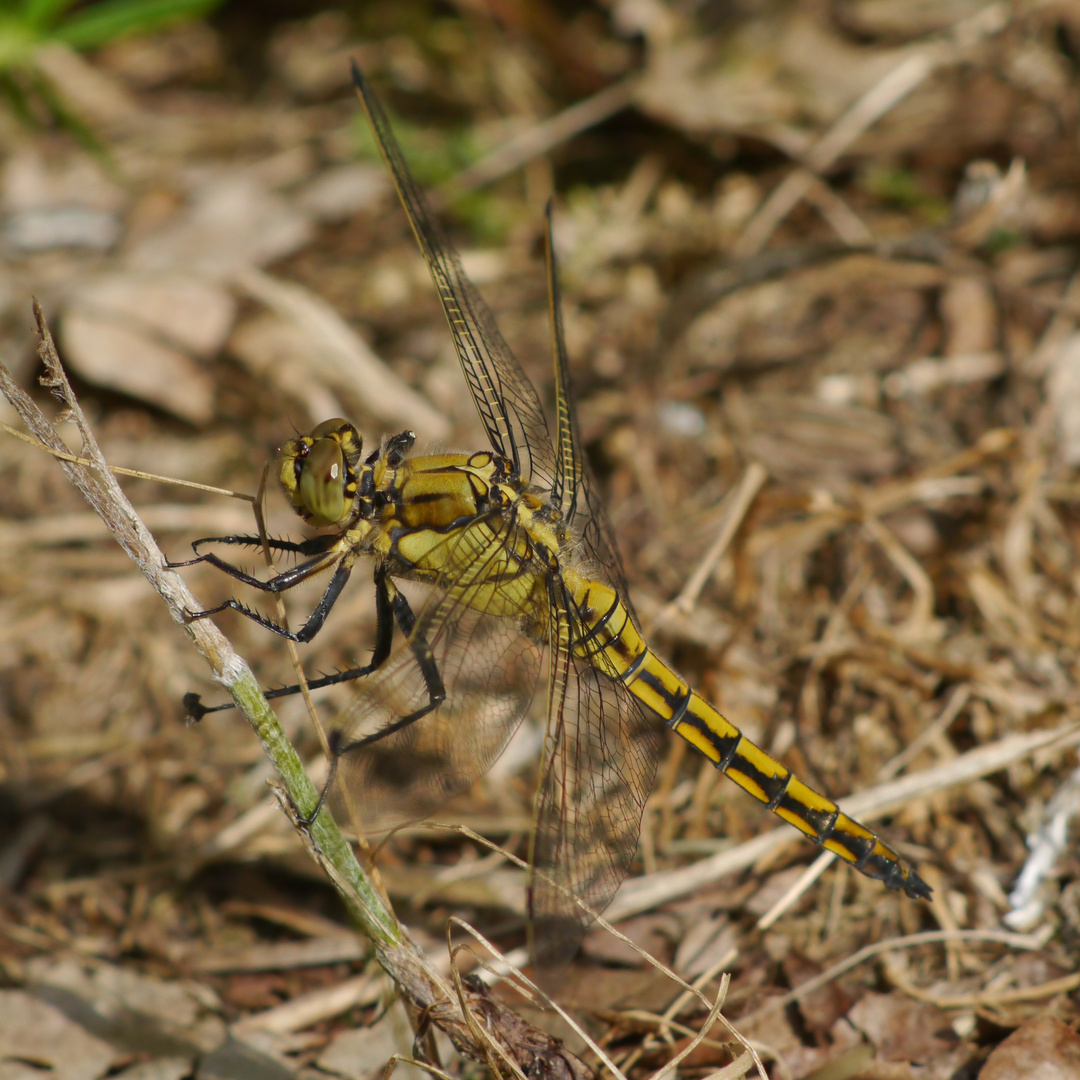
{"points": [[821, 256]]}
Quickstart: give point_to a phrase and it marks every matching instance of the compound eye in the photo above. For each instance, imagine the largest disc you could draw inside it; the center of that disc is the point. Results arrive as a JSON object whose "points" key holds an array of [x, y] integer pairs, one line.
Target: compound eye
{"points": [[322, 483]]}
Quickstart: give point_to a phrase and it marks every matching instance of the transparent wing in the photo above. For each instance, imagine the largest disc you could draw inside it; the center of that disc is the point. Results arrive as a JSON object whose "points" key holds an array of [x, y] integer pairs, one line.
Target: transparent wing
{"points": [[487, 625], [597, 773], [574, 489], [505, 398], [477, 625]]}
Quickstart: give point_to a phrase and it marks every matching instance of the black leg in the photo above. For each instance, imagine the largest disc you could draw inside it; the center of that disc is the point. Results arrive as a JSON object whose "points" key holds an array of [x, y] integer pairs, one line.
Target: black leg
{"points": [[425, 660], [384, 636], [323, 552], [314, 546], [286, 581], [279, 583]]}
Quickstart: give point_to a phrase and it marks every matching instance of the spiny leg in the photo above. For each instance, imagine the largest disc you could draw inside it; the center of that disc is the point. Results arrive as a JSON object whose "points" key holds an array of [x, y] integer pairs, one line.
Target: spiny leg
{"points": [[429, 670], [384, 635], [318, 545], [324, 551]]}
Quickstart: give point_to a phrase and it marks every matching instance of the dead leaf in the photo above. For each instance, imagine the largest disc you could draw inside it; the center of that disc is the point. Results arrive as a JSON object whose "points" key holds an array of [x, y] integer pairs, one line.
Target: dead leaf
{"points": [[122, 357], [43, 1037], [903, 1030], [1043, 1048]]}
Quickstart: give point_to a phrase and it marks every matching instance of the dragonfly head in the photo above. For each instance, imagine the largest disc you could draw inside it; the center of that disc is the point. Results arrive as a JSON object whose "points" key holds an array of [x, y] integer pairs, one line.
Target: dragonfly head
{"points": [[319, 472]]}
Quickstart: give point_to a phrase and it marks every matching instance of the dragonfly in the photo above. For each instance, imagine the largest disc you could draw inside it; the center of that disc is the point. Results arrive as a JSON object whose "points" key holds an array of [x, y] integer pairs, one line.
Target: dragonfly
{"points": [[519, 562]]}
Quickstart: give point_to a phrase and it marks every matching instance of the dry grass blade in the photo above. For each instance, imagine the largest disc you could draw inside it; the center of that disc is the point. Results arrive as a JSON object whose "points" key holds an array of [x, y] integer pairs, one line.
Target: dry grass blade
{"points": [[91, 475], [901, 356], [511, 974], [1013, 941], [683, 604], [546, 136], [506, 969], [138, 474]]}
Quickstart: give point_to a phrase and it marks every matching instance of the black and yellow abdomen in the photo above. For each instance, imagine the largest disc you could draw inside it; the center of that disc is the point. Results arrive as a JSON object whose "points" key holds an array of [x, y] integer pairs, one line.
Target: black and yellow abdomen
{"points": [[611, 643]]}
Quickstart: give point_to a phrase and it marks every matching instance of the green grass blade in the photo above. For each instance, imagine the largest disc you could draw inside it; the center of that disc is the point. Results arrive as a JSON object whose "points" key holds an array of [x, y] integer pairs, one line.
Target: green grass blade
{"points": [[104, 22], [41, 14]]}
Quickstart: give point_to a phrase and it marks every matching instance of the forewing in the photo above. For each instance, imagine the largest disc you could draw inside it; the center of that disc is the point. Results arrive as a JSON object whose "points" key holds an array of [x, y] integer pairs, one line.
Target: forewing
{"points": [[505, 398], [597, 773], [476, 623]]}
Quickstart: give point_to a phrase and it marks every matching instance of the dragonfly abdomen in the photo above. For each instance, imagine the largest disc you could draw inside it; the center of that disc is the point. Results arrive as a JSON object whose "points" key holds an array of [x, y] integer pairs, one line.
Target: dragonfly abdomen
{"points": [[612, 644], [762, 776]]}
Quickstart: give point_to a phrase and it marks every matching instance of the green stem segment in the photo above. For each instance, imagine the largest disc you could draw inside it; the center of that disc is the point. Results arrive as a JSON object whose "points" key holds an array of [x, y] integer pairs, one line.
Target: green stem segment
{"points": [[363, 900]]}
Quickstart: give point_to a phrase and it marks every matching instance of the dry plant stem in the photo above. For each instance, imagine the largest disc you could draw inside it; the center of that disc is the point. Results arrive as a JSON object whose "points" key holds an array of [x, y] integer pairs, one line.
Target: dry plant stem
{"points": [[878, 100], [422, 987], [530, 989], [116, 470], [752, 482], [992, 998], [1026, 942], [313, 1008], [544, 137], [423, 1066], [532, 992], [98, 486], [60, 529], [804, 881], [538, 1054], [666, 1023]]}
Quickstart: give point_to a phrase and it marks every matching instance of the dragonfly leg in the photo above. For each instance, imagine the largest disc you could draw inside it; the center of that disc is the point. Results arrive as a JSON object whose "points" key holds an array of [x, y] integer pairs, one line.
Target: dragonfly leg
{"points": [[287, 581], [384, 633], [324, 558], [315, 546], [323, 555], [425, 661], [429, 669], [320, 550]]}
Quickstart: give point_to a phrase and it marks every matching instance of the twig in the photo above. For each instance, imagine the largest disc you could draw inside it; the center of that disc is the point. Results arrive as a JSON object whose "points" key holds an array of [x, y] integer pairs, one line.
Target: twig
{"points": [[930, 937], [752, 482], [117, 470]]}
